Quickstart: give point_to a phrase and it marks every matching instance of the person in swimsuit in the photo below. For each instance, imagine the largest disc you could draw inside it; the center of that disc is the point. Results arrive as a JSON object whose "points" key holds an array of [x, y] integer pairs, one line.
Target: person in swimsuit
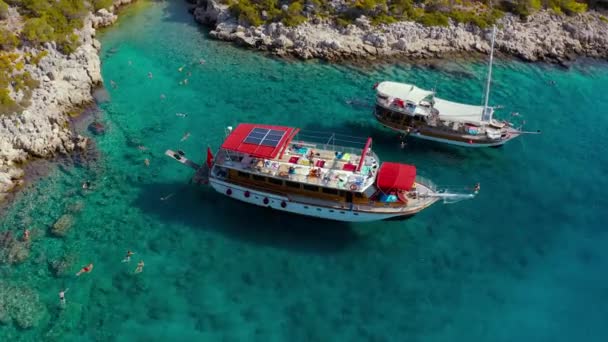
{"points": [[88, 268], [150, 75], [26, 235], [62, 296], [128, 257], [140, 267]]}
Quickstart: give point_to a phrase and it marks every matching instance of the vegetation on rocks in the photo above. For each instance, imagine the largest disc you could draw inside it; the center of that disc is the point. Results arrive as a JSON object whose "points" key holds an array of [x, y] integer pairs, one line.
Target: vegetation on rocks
{"points": [[38, 22], [428, 12]]}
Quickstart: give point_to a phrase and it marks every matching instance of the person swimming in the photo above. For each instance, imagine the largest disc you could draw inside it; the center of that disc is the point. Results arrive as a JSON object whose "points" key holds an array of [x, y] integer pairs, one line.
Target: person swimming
{"points": [[162, 96], [86, 185], [182, 115], [186, 136], [128, 257], [62, 296], [180, 69], [201, 61], [150, 74], [166, 197], [113, 84], [140, 267], [26, 235], [147, 162], [88, 268]]}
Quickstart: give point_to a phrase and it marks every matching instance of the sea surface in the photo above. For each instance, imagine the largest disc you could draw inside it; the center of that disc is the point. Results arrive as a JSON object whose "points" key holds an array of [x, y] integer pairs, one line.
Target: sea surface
{"points": [[524, 261]]}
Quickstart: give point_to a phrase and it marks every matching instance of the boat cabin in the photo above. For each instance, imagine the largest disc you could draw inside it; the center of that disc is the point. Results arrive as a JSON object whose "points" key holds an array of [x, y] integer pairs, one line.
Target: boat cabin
{"points": [[276, 159]]}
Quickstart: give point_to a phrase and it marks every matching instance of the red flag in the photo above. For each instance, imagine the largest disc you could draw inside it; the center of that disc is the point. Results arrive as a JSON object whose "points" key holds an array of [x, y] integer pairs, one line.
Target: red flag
{"points": [[209, 157]]}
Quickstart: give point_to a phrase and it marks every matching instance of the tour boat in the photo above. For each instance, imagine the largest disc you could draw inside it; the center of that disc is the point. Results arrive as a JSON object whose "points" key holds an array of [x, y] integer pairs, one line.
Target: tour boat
{"points": [[418, 113], [274, 167]]}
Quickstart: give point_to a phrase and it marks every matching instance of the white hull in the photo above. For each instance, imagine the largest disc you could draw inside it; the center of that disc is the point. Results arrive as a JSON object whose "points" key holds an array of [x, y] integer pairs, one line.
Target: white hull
{"points": [[453, 142], [284, 204]]}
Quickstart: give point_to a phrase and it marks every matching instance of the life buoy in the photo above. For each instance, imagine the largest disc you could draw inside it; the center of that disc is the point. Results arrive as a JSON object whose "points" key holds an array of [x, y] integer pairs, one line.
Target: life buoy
{"points": [[266, 200], [247, 194], [353, 187], [229, 192], [283, 204]]}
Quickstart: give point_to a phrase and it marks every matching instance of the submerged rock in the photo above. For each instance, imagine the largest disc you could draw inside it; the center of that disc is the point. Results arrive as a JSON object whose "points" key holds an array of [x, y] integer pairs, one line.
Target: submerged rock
{"points": [[21, 305], [62, 225], [97, 128]]}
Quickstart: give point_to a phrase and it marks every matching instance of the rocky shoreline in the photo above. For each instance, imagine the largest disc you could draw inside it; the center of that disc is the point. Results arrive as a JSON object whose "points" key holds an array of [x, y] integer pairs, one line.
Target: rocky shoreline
{"points": [[544, 36], [43, 129]]}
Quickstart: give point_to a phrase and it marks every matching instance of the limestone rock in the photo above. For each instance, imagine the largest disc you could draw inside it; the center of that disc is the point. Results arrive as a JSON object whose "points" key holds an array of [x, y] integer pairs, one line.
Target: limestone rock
{"points": [[62, 225]]}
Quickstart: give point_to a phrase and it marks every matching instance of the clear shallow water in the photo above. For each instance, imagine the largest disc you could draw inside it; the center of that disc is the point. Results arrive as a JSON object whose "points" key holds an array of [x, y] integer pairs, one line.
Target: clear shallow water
{"points": [[523, 261]]}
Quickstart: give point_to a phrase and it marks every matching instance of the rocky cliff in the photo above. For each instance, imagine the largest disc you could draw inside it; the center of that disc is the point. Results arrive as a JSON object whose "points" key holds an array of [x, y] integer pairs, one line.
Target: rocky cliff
{"points": [[544, 36], [66, 84]]}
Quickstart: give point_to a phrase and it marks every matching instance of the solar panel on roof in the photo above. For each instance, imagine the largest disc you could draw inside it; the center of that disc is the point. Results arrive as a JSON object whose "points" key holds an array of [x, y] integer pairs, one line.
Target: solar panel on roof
{"points": [[265, 137]]}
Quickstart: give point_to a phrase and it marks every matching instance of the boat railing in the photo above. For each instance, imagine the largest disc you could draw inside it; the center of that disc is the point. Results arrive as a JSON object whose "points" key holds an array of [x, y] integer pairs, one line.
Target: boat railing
{"points": [[426, 182], [332, 147]]}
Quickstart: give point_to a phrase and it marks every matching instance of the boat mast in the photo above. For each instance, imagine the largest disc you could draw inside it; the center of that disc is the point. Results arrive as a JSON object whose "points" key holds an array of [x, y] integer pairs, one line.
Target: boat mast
{"points": [[487, 115]]}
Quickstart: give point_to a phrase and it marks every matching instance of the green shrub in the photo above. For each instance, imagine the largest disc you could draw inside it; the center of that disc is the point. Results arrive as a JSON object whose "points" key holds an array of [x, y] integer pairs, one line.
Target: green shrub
{"points": [[99, 4], [3, 10], [433, 19], [8, 40], [294, 16], [37, 30], [246, 12], [604, 19]]}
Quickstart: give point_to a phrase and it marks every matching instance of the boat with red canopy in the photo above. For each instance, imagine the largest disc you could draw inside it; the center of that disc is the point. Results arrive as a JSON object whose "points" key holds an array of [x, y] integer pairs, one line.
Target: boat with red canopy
{"points": [[314, 174]]}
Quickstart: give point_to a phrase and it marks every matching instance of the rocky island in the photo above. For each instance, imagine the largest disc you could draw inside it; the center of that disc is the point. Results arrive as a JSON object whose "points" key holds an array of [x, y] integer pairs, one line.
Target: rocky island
{"points": [[50, 66], [555, 30]]}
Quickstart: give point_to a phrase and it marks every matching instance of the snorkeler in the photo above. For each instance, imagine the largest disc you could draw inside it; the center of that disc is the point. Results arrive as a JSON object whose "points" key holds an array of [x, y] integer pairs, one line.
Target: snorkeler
{"points": [[128, 257], [140, 267], [88, 268]]}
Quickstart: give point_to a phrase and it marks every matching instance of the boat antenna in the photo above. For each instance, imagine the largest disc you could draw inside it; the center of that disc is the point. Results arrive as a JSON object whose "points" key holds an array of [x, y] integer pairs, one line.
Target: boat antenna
{"points": [[487, 116]]}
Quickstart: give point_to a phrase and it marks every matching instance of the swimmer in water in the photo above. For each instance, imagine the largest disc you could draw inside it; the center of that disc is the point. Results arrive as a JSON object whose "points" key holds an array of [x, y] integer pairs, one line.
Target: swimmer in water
{"points": [[186, 136], [113, 84], [162, 96], [201, 61], [88, 268], [142, 148], [180, 69], [26, 235], [140, 267], [150, 74], [402, 144], [130, 63], [147, 162], [181, 115], [128, 257], [166, 197], [86, 185], [62, 296], [186, 81]]}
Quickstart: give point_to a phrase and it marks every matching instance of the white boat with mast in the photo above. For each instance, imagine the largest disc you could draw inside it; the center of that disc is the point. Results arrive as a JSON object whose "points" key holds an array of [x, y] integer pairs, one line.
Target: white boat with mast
{"points": [[279, 168], [416, 112]]}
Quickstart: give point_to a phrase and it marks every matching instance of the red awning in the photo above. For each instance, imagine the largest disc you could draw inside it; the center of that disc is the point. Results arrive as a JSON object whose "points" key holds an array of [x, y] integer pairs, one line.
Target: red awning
{"points": [[259, 143], [395, 176]]}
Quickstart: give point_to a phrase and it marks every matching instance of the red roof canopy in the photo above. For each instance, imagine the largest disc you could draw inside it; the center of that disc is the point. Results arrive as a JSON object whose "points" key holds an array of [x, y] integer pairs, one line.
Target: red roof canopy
{"points": [[395, 176], [236, 141]]}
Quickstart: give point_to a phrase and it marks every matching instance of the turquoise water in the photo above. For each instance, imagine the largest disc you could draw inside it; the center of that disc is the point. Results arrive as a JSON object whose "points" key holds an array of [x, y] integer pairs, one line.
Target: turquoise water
{"points": [[523, 261]]}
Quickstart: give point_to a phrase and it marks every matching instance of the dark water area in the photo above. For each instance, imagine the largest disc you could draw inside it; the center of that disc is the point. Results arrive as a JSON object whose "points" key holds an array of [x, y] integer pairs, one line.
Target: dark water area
{"points": [[524, 261]]}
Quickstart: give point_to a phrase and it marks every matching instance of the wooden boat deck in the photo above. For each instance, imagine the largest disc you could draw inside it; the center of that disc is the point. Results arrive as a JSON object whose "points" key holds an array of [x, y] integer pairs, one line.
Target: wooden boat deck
{"points": [[331, 168]]}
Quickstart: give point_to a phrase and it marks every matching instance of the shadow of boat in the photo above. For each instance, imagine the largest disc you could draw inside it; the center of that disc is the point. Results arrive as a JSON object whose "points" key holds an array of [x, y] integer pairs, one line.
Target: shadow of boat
{"points": [[202, 208]]}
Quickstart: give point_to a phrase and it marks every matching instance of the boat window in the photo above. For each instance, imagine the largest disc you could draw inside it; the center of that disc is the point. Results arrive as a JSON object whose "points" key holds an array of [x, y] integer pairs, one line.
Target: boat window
{"points": [[275, 181], [330, 191], [292, 184], [259, 178], [311, 188], [243, 174]]}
